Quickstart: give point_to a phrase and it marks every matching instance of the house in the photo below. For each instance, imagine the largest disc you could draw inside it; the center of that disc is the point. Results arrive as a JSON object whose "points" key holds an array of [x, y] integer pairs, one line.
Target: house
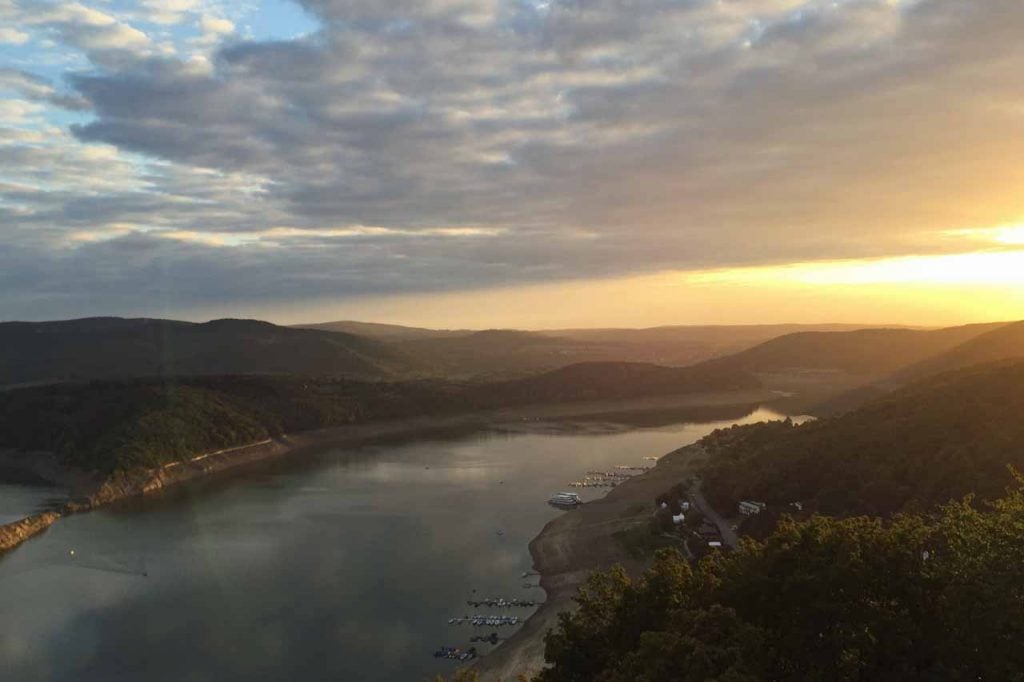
{"points": [[749, 508]]}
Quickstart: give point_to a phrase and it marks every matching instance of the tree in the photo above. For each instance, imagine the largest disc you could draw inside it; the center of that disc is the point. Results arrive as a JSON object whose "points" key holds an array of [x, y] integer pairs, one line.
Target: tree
{"points": [[916, 598]]}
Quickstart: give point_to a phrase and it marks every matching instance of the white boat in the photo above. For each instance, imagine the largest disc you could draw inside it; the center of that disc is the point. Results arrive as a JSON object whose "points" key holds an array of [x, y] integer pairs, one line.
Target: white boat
{"points": [[566, 500]]}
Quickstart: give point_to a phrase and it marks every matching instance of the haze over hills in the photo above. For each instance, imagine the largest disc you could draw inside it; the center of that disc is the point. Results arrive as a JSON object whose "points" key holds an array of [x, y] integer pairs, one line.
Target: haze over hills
{"points": [[500, 353], [1002, 343], [100, 348], [862, 351]]}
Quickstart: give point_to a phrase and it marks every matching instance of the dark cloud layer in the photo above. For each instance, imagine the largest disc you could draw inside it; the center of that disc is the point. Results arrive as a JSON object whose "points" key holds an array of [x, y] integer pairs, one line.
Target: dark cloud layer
{"points": [[449, 144]]}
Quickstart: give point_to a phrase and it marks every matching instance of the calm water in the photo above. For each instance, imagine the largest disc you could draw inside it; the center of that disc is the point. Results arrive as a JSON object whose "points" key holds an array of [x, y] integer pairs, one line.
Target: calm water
{"points": [[344, 566], [18, 501]]}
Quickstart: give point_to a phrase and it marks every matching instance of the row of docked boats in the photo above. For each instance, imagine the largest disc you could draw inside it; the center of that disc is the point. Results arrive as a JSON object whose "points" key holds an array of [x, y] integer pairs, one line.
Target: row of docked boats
{"points": [[485, 621], [454, 654], [501, 603], [589, 482]]}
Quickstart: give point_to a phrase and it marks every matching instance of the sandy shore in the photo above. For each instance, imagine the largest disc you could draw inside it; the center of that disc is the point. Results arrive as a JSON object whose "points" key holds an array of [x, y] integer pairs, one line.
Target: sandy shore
{"points": [[577, 543]]}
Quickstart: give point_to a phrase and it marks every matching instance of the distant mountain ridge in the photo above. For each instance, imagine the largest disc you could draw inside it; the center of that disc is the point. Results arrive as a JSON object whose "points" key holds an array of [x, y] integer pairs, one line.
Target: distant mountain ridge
{"points": [[507, 353], [863, 351], [997, 342], [379, 330], [103, 348], [1005, 342]]}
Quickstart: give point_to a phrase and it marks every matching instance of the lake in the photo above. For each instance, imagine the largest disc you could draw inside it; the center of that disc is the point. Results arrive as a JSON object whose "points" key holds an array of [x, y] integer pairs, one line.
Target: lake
{"points": [[343, 565]]}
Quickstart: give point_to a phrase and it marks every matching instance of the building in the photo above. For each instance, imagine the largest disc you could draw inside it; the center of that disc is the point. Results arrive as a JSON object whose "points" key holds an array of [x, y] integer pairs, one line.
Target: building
{"points": [[749, 508]]}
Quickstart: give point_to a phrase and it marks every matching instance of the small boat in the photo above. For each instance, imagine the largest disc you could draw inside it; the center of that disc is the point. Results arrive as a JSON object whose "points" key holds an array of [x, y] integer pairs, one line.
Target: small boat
{"points": [[565, 500]]}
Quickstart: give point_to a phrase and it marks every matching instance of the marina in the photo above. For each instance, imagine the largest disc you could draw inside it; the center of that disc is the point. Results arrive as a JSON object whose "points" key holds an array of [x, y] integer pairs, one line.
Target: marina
{"points": [[610, 479], [485, 621]]}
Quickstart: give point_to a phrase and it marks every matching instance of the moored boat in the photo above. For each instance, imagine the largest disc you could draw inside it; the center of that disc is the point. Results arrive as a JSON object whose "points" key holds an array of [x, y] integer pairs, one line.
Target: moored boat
{"points": [[565, 500]]}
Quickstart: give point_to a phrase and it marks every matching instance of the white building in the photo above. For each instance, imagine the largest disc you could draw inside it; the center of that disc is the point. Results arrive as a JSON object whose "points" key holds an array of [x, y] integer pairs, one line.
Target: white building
{"points": [[749, 507]]}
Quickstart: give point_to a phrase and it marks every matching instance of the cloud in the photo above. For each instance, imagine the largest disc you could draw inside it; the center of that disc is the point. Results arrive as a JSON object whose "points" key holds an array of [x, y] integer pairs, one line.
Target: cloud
{"points": [[595, 139], [166, 12], [12, 36], [102, 36], [215, 25], [36, 89]]}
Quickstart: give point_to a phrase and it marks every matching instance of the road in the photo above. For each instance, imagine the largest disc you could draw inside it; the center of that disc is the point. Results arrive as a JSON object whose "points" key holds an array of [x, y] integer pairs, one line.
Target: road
{"points": [[729, 536]]}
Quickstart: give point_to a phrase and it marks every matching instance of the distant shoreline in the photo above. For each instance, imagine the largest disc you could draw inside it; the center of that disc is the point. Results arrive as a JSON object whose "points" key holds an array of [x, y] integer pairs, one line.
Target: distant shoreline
{"points": [[575, 544], [91, 494]]}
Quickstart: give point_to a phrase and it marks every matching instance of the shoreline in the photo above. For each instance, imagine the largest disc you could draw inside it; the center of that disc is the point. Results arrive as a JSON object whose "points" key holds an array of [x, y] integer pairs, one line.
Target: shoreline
{"points": [[89, 494], [577, 543]]}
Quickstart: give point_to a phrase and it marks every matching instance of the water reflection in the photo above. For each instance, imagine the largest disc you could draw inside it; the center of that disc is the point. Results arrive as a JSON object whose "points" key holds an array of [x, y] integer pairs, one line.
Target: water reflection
{"points": [[20, 500], [346, 566]]}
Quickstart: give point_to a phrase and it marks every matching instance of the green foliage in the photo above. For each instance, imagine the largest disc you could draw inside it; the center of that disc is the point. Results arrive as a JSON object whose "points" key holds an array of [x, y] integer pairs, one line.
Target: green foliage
{"points": [[930, 443], [918, 598], [107, 426]]}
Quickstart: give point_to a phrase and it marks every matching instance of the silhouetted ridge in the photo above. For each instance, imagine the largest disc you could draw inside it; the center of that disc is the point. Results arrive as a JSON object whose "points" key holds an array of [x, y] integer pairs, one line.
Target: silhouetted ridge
{"points": [[105, 348]]}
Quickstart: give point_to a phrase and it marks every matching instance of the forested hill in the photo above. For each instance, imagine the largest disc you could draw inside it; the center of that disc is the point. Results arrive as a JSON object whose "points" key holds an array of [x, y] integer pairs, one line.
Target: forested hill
{"points": [[104, 348], [616, 380], [511, 353], [385, 332], [1003, 343], [932, 441], [108, 426], [865, 351]]}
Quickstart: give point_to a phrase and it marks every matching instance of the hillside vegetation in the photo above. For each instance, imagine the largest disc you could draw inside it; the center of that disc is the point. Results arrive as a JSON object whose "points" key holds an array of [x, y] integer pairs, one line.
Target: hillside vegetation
{"points": [[109, 348], [864, 351], [1003, 343], [930, 442], [923, 598], [111, 426]]}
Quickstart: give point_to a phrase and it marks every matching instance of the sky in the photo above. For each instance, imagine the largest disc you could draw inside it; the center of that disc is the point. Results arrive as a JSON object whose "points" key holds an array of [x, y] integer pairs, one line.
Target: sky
{"points": [[530, 163]]}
